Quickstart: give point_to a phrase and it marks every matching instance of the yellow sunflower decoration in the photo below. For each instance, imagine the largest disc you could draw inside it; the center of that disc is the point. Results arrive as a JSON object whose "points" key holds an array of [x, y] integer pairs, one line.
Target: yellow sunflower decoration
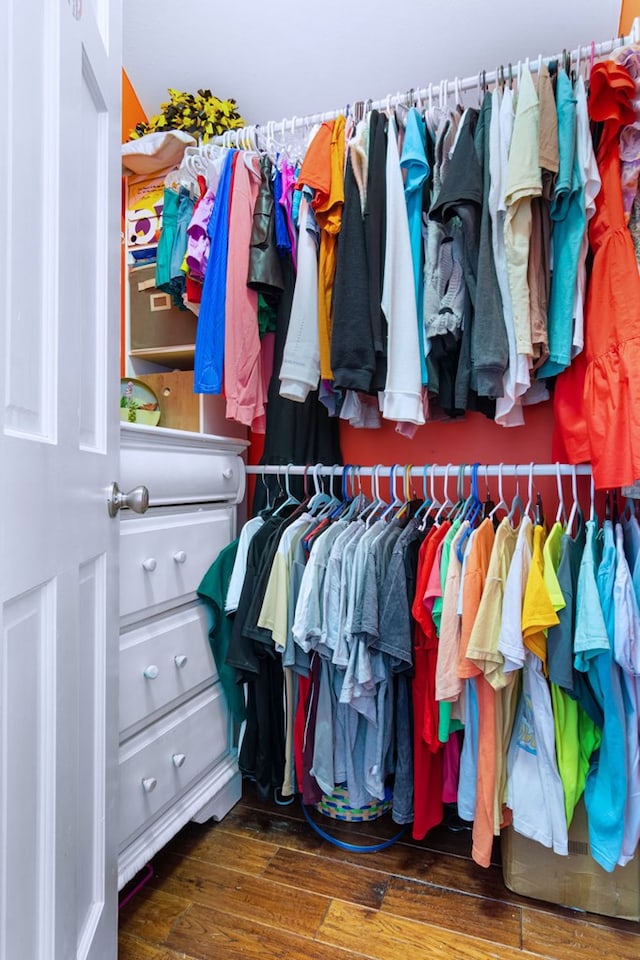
{"points": [[202, 115]]}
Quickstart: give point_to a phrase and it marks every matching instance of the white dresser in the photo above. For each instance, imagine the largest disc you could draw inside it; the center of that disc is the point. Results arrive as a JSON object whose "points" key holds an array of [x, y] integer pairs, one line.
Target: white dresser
{"points": [[177, 760]]}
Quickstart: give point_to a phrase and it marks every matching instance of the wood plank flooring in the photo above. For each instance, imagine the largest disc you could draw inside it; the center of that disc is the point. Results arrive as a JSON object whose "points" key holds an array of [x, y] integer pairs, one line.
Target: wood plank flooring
{"points": [[263, 885]]}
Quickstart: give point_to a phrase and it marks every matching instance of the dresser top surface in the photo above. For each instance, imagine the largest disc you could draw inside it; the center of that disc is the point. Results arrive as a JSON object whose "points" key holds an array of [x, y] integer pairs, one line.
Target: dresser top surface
{"points": [[138, 435]]}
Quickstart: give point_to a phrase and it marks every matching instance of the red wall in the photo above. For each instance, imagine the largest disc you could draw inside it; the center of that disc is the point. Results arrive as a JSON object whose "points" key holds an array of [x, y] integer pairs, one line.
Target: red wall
{"points": [[473, 439]]}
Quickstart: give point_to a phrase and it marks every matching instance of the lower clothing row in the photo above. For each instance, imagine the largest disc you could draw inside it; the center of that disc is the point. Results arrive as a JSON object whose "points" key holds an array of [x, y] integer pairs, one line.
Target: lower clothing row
{"points": [[443, 655]]}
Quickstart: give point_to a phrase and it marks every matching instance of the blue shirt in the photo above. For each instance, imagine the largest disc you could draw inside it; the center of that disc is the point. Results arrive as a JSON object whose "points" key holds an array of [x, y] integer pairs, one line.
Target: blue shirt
{"points": [[209, 354], [606, 787], [414, 162], [283, 241]]}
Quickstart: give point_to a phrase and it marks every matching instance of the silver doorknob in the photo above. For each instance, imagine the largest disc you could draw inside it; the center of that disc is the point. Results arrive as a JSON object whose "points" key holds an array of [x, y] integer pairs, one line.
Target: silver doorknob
{"points": [[137, 499]]}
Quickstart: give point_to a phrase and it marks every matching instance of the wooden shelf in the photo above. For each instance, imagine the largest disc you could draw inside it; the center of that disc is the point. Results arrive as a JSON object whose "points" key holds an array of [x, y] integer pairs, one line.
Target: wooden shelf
{"points": [[178, 357]]}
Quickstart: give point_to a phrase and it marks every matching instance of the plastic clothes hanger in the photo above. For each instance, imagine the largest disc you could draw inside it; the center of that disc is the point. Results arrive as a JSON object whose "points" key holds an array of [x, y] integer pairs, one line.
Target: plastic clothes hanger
{"points": [[374, 503], [434, 503], [461, 502], [472, 514], [457, 97], [378, 503], [426, 501], [334, 505], [502, 503], [516, 503], [447, 503], [320, 497], [561, 514], [529, 507], [411, 502], [475, 505], [355, 502], [268, 507], [395, 502], [291, 501], [489, 503], [575, 506]]}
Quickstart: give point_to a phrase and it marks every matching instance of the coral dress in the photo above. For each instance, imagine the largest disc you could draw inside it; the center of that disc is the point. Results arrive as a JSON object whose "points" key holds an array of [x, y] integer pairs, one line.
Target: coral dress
{"points": [[597, 400]]}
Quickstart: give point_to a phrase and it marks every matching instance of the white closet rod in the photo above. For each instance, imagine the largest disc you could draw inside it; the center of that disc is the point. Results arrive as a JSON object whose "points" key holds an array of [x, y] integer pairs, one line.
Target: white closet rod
{"points": [[235, 137], [439, 470]]}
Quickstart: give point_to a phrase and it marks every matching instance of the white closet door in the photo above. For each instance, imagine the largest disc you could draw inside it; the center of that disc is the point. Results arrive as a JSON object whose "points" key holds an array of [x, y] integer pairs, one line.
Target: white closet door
{"points": [[60, 63]]}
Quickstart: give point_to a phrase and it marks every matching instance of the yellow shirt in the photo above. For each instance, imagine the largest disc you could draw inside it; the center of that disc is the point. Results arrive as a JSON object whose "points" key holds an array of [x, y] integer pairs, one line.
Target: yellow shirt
{"points": [[538, 613], [483, 642], [551, 554]]}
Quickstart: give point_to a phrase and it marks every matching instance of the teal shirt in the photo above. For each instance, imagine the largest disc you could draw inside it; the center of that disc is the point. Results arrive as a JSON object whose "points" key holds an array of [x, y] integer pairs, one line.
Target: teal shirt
{"points": [[569, 223], [213, 590], [606, 787], [414, 162]]}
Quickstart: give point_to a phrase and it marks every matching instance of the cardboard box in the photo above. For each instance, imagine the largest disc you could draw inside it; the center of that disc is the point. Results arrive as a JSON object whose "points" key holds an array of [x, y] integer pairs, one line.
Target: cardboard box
{"points": [[576, 881], [154, 319]]}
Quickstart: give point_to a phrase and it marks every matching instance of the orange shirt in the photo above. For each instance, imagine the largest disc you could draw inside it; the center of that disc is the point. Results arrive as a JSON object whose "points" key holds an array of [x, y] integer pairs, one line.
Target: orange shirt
{"points": [[323, 170], [597, 399], [484, 823], [474, 579]]}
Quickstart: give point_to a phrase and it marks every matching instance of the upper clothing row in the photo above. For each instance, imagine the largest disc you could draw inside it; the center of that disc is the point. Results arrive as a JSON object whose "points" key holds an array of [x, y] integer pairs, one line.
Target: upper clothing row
{"points": [[440, 261]]}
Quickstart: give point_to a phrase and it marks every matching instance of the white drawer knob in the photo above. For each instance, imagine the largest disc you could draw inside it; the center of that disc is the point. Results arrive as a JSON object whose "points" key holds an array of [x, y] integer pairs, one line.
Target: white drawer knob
{"points": [[180, 556], [149, 784], [178, 759], [180, 660], [150, 564], [227, 473], [151, 672]]}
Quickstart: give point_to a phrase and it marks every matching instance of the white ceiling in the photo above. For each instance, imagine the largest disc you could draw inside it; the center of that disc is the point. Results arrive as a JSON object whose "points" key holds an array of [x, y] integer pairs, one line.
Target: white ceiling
{"points": [[278, 60]]}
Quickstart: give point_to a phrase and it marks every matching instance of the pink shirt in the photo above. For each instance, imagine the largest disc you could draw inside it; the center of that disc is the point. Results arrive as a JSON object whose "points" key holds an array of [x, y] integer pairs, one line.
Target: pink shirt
{"points": [[243, 378]]}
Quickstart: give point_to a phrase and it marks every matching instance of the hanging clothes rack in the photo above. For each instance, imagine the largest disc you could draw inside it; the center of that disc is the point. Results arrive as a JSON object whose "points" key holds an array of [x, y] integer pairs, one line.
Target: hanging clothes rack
{"points": [[439, 470], [250, 134]]}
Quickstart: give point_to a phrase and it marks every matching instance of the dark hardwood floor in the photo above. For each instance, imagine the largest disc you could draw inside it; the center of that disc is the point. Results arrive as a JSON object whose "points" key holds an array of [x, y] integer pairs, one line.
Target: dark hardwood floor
{"points": [[263, 885]]}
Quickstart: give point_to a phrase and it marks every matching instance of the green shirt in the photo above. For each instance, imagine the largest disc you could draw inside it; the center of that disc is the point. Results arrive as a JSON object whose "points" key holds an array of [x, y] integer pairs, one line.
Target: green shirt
{"points": [[213, 590]]}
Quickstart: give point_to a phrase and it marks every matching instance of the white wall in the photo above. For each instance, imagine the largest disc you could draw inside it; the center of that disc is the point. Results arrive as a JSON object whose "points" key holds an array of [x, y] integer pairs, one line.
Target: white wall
{"points": [[282, 59]]}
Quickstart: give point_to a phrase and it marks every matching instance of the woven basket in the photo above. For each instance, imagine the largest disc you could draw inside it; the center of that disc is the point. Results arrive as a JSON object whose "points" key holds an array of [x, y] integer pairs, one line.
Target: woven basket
{"points": [[337, 807]]}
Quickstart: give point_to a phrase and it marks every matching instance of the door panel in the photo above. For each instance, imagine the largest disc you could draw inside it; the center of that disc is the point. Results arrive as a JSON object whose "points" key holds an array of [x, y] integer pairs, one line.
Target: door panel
{"points": [[60, 64], [31, 222], [27, 829]]}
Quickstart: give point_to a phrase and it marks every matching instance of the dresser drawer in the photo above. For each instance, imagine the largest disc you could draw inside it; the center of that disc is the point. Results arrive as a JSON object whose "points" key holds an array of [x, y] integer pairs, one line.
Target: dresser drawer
{"points": [[181, 467], [164, 554], [162, 761], [162, 661]]}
